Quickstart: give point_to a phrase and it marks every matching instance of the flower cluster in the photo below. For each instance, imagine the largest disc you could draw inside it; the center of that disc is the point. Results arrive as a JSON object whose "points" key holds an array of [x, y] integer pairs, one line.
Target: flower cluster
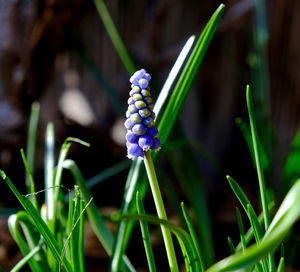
{"points": [[141, 132]]}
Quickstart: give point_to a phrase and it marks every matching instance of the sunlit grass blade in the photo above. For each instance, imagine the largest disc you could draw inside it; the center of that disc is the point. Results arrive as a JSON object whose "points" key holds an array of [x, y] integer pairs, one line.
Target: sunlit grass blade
{"points": [[280, 267], [165, 91], [97, 223], [31, 142], [32, 184], [115, 36], [184, 240], [49, 161], [193, 235], [183, 85], [20, 265], [58, 196], [32, 240], [286, 216], [40, 225], [165, 125], [145, 235], [291, 170]]}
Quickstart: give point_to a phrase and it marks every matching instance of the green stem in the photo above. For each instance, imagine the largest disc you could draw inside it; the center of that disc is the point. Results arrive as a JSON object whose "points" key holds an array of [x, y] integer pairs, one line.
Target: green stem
{"points": [[160, 211], [262, 187]]}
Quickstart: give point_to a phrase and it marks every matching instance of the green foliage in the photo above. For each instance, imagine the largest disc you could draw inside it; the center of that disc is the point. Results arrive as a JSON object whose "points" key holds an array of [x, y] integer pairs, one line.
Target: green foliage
{"points": [[51, 239], [165, 125]]}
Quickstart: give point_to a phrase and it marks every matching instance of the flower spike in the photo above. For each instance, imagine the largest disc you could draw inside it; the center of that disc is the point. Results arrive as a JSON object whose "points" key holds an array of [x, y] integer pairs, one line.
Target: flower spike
{"points": [[141, 133]]}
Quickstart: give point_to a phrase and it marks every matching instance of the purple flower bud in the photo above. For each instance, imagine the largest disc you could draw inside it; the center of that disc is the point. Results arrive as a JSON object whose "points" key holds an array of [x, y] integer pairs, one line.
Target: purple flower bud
{"points": [[145, 92], [148, 122], [145, 142], [134, 151], [135, 118], [128, 124], [147, 76], [139, 129], [156, 144], [132, 137], [130, 101], [140, 104], [152, 132], [137, 97], [143, 83], [144, 113]]}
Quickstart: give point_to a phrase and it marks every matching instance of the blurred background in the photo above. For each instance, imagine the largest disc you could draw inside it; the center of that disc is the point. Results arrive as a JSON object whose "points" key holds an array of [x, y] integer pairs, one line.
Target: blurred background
{"points": [[57, 52]]}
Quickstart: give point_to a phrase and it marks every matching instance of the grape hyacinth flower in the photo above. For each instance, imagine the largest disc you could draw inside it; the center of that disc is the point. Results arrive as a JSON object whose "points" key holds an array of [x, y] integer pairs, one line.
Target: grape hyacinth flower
{"points": [[141, 137], [141, 133]]}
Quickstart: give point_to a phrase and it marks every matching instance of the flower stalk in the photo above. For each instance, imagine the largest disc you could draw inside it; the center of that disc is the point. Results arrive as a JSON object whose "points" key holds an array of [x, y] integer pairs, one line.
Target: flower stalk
{"points": [[141, 137], [160, 208]]}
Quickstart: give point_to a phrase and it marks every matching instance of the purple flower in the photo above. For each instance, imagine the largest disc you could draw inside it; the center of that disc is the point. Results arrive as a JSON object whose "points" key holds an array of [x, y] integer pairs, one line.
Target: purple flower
{"points": [[141, 133]]}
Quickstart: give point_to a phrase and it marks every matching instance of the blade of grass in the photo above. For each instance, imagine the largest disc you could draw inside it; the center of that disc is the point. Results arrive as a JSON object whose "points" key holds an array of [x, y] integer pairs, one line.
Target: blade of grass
{"points": [[257, 232], [231, 246], [81, 238], [286, 216], [238, 191], [262, 187], [49, 161], [260, 174], [75, 230], [32, 240], [245, 129], [97, 223], [241, 228], [186, 171], [183, 85], [58, 197], [26, 259], [40, 224], [249, 235], [114, 36], [193, 235], [164, 93], [70, 227], [31, 142], [185, 242], [281, 265], [132, 185], [145, 235], [32, 184], [291, 170]]}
